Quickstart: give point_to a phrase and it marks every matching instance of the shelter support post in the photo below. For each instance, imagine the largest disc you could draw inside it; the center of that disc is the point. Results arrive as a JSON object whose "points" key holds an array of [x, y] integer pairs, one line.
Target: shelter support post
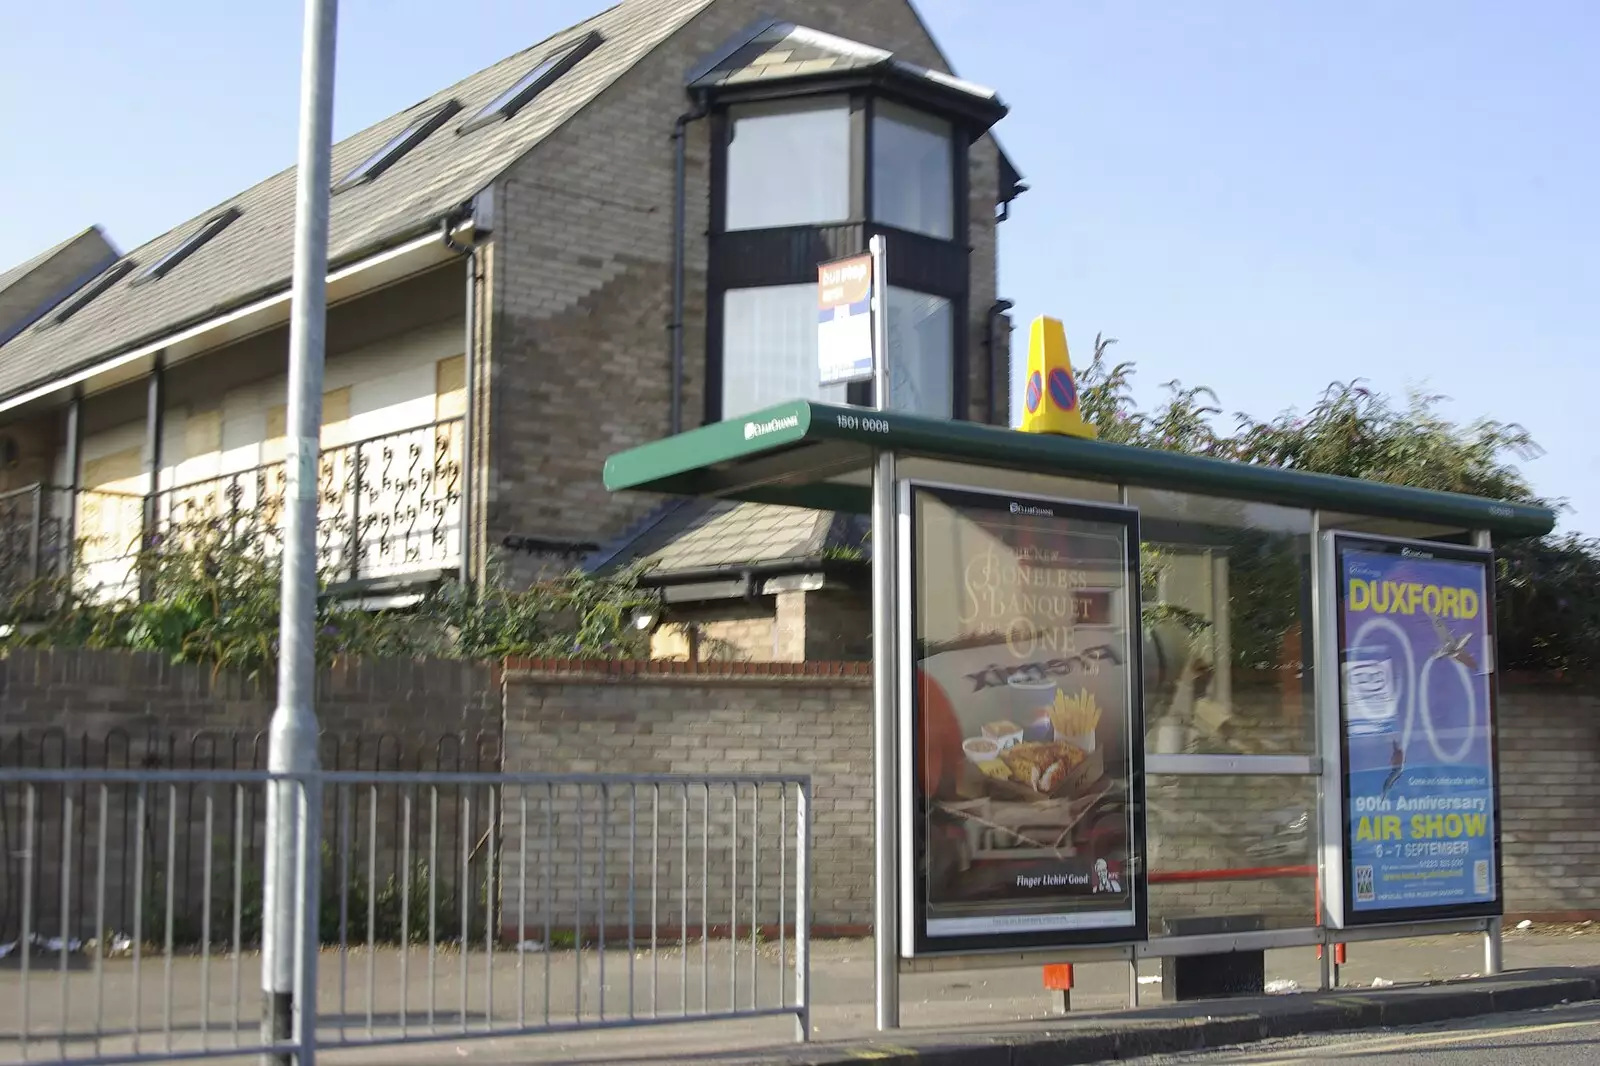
{"points": [[1493, 961]]}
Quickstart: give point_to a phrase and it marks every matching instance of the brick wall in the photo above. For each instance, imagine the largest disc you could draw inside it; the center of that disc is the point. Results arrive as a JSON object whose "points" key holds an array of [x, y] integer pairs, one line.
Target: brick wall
{"points": [[722, 719], [832, 624], [76, 708], [838, 624], [582, 281], [662, 718], [653, 721], [1550, 799], [739, 630], [78, 691]]}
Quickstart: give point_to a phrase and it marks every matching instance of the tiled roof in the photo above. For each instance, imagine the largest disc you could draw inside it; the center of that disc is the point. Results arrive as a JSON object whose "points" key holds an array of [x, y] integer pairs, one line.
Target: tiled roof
{"points": [[724, 534], [253, 257]]}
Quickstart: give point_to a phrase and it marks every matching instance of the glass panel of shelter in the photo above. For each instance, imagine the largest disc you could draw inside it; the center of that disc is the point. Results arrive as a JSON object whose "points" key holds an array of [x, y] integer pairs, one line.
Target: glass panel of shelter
{"points": [[1229, 670], [1230, 704]]}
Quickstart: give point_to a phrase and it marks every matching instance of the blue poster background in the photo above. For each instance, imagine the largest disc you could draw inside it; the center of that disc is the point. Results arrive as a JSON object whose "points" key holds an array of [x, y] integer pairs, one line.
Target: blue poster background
{"points": [[1415, 694]]}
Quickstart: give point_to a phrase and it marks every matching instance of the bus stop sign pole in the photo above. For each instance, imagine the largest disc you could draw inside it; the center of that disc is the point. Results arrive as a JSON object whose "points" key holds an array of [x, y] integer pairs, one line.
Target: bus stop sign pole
{"points": [[885, 924]]}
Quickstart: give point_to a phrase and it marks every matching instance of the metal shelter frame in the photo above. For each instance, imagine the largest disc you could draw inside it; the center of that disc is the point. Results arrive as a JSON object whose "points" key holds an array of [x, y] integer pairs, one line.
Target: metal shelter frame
{"points": [[830, 457]]}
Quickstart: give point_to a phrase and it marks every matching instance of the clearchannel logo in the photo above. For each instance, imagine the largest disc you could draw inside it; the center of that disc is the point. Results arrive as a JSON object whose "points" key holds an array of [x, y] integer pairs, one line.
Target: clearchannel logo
{"points": [[752, 430], [1029, 509]]}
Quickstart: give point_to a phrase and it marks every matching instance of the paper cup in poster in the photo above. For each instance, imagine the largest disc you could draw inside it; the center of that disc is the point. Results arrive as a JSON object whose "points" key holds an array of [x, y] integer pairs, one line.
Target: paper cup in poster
{"points": [[1417, 704], [1024, 700]]}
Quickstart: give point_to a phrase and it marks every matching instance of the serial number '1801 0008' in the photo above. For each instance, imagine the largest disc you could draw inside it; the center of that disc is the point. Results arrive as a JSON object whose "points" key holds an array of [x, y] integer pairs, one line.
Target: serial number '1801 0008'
{"points": [[866, 425]]}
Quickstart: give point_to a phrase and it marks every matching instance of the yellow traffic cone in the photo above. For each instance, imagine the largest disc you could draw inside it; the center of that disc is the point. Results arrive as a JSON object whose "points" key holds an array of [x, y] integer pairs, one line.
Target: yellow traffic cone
{"points": [[1050, 397]]}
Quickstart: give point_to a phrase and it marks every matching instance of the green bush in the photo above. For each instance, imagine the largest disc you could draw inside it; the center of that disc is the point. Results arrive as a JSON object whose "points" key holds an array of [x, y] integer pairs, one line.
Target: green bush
{"points": [[213, 597], [1548, 587]]}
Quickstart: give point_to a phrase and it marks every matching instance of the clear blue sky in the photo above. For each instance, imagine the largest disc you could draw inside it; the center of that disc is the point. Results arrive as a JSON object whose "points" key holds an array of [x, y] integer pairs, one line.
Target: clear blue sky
{"points": [[1256, 195]]}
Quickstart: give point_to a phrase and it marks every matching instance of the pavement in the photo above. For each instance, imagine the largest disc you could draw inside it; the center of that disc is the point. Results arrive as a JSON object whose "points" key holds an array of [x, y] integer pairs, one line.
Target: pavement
{"points": [[1558, 1036], [975, 1017]]}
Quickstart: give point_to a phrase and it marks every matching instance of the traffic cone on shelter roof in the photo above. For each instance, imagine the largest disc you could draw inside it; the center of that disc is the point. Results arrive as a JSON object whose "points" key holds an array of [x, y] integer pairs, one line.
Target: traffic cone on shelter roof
{"points": [[1050, 398]]}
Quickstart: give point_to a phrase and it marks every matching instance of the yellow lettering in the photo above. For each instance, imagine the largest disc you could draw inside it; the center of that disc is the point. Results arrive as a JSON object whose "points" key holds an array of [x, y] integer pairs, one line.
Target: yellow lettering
{"points": [[1454, 826], [1021, 638], [1450, 602], [1469, 604], [1430, 599], [1360, 596], [1364, 831], [1391, 827]]}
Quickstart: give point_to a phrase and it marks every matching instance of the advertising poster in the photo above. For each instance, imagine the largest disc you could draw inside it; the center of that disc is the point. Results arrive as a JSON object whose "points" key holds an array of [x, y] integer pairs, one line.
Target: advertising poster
{"points": [[1416, 643], [1025, 745]]}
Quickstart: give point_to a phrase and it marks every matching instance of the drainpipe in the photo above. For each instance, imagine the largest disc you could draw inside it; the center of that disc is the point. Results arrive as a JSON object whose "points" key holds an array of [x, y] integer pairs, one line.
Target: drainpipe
{"points": [[996, 310], [74, 464], [154, 415], [469, 421], [679, 196], [469, 369]]}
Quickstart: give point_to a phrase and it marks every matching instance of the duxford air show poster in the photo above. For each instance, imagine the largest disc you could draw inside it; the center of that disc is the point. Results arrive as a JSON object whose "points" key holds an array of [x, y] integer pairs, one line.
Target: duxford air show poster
{"points": [[1021, 824], [1417, 652]]}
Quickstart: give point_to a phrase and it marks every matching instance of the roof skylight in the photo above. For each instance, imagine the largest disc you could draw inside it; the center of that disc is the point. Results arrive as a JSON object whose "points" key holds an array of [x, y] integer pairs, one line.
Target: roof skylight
{"points": [[541, 77], [399, 145], [191, 244], [99, 285]]}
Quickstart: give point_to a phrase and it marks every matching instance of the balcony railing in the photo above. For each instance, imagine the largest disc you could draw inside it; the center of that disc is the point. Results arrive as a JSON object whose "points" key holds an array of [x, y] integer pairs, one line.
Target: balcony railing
{"points": [[387, 507], [31, 536]]}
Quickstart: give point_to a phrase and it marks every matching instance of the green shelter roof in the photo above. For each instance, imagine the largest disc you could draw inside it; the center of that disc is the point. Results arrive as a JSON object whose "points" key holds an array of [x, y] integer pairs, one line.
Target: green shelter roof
{"points": [[816, 455]]}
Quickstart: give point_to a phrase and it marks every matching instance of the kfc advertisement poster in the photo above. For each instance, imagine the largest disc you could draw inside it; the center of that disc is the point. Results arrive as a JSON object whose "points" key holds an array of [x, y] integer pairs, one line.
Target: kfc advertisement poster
{"points": [[1025, 830]]}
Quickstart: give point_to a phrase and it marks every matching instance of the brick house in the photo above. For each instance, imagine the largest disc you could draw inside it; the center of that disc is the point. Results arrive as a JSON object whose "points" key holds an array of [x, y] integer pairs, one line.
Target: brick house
{"points": [[608, 237]]}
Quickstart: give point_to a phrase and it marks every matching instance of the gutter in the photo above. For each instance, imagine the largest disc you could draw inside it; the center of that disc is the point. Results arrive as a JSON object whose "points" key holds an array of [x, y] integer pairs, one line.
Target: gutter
{"points": [[749, 573]]}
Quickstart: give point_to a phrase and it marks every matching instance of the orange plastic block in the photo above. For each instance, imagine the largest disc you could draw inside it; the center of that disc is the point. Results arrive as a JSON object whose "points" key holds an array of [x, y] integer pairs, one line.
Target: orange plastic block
{"points": [[1058, 978]]}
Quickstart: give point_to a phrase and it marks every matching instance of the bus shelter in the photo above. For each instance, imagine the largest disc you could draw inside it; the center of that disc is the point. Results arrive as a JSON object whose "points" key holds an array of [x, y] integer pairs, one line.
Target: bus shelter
{"points": [[1133, 703]]}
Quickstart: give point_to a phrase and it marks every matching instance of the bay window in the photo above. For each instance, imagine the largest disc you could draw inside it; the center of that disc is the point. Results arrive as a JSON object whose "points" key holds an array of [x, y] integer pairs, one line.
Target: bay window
{"points": [[921, 339], [801, 180], [913, 176], [769, 351], [788, 164]]}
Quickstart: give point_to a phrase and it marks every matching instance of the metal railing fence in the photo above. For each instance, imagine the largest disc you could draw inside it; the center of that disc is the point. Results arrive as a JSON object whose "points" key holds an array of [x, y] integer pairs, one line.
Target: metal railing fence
{"points": [[444, 906], [202, 750]]}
